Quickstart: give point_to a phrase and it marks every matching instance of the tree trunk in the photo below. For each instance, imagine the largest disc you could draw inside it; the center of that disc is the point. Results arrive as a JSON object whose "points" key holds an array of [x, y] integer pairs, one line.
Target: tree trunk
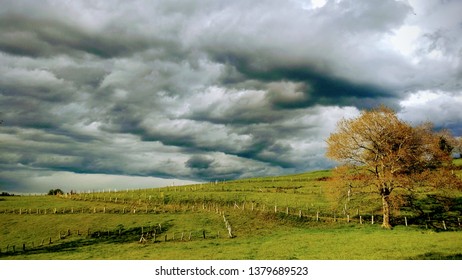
{"points": [[386, 211]]}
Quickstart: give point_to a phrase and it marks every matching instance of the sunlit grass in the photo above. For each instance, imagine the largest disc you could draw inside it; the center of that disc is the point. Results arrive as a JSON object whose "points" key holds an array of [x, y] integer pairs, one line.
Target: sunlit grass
{"points": [[271, 218]]}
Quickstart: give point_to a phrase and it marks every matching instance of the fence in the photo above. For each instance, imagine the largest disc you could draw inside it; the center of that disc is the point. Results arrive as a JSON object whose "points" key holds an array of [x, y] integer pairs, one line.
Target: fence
{"points": [[142, 235], [309, 215]]}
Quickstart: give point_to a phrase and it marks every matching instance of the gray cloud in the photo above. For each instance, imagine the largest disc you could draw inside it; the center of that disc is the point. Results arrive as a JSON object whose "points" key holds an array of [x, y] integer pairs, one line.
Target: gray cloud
{"points": [[209, 90]]}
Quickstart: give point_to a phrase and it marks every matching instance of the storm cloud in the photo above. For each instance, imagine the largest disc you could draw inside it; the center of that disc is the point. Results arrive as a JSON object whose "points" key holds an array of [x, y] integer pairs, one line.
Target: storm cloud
{"points": [[102, 94]]}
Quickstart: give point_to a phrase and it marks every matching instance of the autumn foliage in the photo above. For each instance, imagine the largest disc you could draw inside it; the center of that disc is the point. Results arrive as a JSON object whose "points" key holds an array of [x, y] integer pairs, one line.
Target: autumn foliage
{"points": [[380, 150]]}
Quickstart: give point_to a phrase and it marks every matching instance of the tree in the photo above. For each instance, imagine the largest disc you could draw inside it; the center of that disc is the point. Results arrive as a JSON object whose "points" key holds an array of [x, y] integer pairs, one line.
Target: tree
{"points": [[458, 146], [55, 192], [388, 154]]}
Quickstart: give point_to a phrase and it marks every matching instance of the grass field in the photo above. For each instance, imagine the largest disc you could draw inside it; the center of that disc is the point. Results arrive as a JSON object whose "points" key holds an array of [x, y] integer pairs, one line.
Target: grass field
{"points": [[288, 217]]}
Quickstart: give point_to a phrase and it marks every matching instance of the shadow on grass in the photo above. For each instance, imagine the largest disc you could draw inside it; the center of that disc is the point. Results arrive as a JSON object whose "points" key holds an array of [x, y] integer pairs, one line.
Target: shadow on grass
{"points": [[117, 236], [437, 256]]}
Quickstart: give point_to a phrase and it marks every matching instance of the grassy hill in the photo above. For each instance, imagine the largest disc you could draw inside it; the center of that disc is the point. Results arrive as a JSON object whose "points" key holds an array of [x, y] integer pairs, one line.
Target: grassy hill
{"points": [[287, 217]]}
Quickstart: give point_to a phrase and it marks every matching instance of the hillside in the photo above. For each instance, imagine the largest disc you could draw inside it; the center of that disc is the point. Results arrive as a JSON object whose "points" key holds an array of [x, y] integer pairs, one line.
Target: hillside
{"points": [[299, 216]]}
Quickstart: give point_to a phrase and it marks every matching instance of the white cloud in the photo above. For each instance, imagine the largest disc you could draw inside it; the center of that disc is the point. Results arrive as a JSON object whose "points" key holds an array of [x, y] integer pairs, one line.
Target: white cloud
{"points": [[439, 107], [68, 181]]}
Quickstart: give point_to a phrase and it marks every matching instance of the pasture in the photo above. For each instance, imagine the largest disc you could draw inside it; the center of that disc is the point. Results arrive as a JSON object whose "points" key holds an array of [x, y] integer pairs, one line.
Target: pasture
{"points": [[300, 216]]}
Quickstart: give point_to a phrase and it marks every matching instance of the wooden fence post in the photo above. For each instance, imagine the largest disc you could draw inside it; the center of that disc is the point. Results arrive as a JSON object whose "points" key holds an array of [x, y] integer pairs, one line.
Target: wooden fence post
{"points": [[317, 216], [360, 220], [405, 221], [444, 225], [372, 219]]}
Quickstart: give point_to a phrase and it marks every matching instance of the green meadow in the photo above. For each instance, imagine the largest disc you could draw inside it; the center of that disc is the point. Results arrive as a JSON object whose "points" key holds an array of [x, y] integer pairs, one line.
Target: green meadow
{"points": [[294, 217]]}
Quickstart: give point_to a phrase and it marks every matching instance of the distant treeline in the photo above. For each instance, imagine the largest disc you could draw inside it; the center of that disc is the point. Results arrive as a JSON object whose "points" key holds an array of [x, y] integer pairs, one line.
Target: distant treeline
{"points": [[6, 194]]}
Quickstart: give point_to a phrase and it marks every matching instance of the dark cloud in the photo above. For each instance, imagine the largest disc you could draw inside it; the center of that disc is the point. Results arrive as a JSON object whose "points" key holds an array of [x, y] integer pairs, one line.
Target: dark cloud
{"points": [[49, 37], [199, 162]]}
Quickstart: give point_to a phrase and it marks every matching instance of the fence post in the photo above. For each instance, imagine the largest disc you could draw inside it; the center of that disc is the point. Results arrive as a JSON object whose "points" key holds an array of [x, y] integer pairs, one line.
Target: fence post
{"points": [[360, 220], [317, 216], [275, 208], [444, 225], [372, 219], [348, 218], [405, 221]]}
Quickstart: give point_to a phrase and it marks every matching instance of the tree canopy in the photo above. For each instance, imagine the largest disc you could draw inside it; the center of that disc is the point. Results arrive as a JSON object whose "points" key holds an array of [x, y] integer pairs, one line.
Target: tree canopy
{"points": [[55, 192], [389, 153]]}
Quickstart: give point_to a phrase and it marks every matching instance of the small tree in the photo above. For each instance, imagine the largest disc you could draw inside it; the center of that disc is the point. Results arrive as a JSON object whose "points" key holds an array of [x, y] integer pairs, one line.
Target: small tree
{"points": [[55, 192], [388, 153]]}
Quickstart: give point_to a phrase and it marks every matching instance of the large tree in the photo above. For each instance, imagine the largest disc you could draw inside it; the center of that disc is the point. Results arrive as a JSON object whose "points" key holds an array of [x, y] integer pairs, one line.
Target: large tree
{"points": [[388, 153]]}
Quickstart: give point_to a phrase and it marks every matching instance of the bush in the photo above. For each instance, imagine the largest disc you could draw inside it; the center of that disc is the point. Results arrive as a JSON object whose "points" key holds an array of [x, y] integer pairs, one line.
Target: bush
{"points": [[55, 192]]}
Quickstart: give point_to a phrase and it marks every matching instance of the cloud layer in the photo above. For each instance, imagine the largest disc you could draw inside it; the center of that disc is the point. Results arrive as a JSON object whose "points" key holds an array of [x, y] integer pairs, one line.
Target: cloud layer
{"points": [[210, 90]]}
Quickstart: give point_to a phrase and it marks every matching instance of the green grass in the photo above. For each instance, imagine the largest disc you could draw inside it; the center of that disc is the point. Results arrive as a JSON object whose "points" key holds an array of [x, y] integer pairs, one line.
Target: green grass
{"points": [[115, 221]]}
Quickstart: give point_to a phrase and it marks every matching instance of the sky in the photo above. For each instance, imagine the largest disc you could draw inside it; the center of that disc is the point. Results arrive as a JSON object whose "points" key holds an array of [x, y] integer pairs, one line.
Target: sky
{"points": [[136, 94]]}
